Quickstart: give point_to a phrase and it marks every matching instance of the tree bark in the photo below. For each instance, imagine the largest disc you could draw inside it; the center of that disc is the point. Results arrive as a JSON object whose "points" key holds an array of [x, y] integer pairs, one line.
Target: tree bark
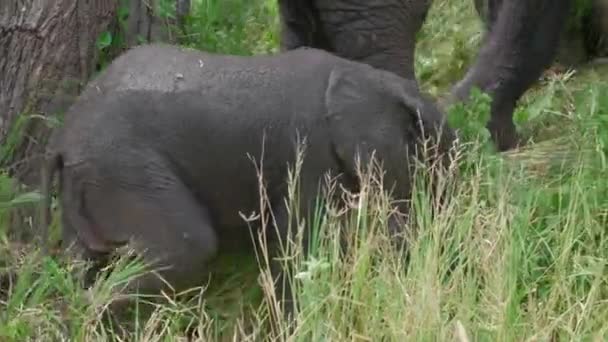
{"points": [[48, 52]]}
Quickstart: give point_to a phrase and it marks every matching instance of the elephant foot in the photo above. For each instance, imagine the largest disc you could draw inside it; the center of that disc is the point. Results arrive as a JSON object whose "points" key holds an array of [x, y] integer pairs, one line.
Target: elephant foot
{"points": [[504, 135]]}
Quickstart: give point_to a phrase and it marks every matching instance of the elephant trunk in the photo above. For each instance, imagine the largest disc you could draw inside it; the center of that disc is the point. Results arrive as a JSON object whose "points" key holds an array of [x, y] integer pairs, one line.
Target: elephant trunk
{"points": [[519, 46]]}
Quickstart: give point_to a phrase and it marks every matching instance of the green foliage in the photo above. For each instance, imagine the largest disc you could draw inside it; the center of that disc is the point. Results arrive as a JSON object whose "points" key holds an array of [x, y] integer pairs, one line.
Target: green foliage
{"points": [[104, 40], [233, 26], [109, 42], [444, 52], [166, 9], [470, 119], [14, 138]]}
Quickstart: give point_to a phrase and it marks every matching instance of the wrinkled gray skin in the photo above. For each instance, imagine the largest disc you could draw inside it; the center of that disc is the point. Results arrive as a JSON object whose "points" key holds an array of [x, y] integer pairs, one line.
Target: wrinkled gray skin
{"points": [[378, 33], [155, 152], [520, 44], [578, 45]]}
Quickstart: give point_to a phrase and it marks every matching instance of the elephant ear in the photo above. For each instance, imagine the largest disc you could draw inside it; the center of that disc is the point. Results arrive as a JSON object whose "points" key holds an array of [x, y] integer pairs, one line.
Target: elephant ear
{"points": [[430, 121], [342, 93], [355, 131], [341, 96]]}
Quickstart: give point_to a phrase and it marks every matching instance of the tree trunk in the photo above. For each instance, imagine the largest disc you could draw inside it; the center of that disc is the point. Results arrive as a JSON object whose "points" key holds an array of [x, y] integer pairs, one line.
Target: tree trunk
{"points": [[48, 51]]}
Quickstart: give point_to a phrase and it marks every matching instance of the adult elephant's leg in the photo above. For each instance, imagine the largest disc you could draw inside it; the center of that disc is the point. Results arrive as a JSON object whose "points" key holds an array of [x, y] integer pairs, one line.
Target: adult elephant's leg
{"points": [[572, 51], [379, 33], [299, 26], [517, 49]]}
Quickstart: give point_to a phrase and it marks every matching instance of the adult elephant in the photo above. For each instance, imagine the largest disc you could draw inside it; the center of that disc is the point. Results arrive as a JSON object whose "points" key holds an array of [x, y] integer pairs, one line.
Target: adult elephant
{"points": [[520, 43], [583, 40]]}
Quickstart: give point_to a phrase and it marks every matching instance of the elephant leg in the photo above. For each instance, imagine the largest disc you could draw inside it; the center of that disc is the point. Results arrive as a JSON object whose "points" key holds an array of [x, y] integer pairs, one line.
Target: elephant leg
{"points": [[72, 242], [299, 25], [77, 249], [379, 33], [163, 223], [519, 46], [286, 225], [279, 269], [571, 52]]}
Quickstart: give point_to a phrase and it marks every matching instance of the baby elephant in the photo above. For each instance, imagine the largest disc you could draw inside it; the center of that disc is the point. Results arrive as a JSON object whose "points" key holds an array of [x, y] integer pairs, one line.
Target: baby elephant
{"points": [[158, 151]]}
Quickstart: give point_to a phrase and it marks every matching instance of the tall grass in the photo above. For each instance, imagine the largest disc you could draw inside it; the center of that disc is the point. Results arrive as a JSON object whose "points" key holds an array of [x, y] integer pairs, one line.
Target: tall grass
{"points": [[518, 251]]}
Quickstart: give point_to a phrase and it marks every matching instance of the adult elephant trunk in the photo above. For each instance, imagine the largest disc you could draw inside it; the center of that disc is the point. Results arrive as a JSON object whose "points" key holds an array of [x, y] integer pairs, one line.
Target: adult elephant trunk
{"points": [[520, 44], [379, 33]]}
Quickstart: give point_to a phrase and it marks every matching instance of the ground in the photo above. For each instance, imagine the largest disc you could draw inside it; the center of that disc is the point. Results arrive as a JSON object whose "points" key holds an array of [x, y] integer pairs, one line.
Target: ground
{"points": [[519, 252]]}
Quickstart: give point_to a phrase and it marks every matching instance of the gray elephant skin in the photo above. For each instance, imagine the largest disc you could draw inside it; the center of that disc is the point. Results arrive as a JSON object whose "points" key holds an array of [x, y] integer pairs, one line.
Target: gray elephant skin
{"points": [[519, 45], [158, 150], [583, 42]]}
